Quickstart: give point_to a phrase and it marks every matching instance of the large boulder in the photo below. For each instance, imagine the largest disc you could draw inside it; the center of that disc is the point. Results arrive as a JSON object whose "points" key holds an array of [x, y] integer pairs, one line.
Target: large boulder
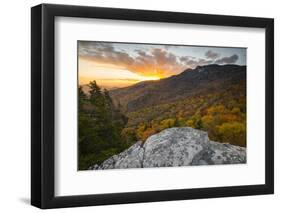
{"points": [[130, 158], [181, 146]]}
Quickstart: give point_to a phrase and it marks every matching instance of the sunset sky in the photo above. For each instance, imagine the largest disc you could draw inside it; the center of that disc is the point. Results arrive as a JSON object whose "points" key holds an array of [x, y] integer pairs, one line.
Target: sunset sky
{"points": [[122, 64]]}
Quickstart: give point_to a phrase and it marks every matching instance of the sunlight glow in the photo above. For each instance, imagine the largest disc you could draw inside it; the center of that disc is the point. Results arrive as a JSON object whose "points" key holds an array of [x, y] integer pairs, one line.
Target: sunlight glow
{"points": [[109, 76]]}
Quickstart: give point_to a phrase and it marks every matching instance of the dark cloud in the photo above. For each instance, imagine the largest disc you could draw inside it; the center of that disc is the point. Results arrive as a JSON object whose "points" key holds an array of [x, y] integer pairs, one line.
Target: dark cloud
{"points": [[141, 52], [154, 61], [192, 62], [104, 53], [87, 48], [227, 60], [189, 61], [211, 54]]}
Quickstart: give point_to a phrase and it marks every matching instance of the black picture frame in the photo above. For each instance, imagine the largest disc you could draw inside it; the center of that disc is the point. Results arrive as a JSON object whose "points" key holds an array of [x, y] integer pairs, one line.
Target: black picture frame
{"points": [[43, 102]]}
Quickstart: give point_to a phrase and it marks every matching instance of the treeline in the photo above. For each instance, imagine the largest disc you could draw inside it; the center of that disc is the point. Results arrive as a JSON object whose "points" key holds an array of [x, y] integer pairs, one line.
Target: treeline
{"points": [[105, 131], [100, 126], [221, 113]]}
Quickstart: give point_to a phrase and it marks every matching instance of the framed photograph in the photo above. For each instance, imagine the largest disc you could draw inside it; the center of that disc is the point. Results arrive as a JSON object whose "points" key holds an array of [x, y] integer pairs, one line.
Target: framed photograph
{"points": [[139, 106]]}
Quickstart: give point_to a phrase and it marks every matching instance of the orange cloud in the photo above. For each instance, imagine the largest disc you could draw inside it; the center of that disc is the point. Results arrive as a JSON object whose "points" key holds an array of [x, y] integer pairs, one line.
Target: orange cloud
{"points": [[151, 61], [157, 62]]}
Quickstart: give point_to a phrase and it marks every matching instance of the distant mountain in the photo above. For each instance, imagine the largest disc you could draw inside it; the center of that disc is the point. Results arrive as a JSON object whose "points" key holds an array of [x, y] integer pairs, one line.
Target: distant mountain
{"points": [[85, 88], [188, 83]]}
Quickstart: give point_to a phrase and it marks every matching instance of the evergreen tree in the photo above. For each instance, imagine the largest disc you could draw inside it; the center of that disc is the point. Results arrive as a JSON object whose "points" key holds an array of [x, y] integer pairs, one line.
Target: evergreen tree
{"points": [[100, 126]]}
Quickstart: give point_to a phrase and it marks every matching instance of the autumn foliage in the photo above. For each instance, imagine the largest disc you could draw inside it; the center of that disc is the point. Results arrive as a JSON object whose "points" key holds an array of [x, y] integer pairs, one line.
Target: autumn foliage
{"points": [[106, 129], [222, 114]]}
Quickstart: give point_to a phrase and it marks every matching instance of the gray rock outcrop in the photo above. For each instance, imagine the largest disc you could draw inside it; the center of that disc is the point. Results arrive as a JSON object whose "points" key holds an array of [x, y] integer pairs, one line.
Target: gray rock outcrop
{"points": [[181, 146]]}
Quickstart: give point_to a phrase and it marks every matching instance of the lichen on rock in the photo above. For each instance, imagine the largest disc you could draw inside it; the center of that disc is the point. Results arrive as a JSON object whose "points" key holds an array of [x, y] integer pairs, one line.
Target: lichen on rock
{"points": [[179, 146]]}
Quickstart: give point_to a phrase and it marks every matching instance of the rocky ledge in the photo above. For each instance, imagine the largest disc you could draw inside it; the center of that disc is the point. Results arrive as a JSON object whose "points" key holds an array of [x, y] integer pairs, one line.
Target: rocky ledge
{"points": [[181, 146]]}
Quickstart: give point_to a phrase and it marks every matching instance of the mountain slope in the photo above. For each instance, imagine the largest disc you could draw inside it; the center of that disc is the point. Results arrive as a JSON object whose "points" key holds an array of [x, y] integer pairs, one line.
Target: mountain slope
{"points": [[188, 83]]}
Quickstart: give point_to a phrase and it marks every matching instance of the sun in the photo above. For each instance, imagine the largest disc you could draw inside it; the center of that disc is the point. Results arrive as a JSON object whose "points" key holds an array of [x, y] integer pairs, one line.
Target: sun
{"points": [[149, 78]]}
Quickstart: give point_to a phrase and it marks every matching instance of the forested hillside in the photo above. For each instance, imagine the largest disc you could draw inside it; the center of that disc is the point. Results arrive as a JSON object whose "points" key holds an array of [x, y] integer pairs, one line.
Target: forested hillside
{"points": [[221, 113], [190, 82], [211, 98], [100, 125]]}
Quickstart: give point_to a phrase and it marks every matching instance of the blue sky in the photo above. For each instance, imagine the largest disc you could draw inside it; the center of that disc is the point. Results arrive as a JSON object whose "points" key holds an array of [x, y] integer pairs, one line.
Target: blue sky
{"points": [[195, 51]]}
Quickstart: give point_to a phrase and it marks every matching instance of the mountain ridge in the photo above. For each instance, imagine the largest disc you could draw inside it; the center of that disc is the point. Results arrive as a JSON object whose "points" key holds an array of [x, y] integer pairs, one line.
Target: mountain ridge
{"points": [[187, 83]]}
